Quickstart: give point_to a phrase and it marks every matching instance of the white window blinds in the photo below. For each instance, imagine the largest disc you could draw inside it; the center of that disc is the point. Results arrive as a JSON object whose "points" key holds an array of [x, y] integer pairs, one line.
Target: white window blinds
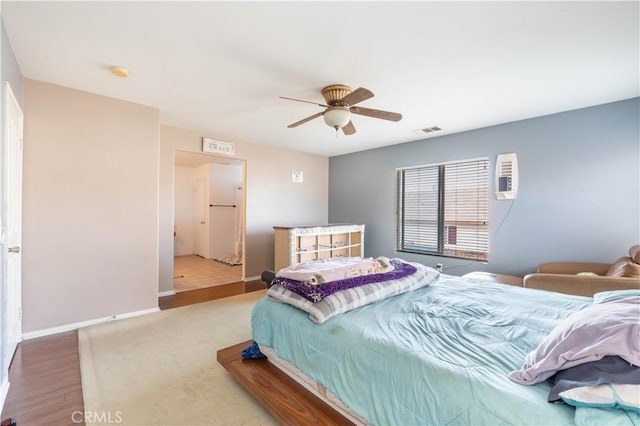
{"points": [[443, 209]]}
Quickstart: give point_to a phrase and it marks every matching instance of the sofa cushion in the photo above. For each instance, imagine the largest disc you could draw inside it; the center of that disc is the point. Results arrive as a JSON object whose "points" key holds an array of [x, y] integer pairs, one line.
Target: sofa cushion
{"points": [[634, 253], [624, 267]]}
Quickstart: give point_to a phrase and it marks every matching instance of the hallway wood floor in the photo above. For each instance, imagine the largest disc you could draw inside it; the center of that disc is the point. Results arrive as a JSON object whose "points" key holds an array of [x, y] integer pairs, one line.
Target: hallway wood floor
{"points": [[46, 386]]}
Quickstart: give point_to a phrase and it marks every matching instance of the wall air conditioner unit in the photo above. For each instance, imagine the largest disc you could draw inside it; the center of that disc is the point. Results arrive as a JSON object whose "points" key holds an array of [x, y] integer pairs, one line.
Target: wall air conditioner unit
{"points": [[506, 176]]}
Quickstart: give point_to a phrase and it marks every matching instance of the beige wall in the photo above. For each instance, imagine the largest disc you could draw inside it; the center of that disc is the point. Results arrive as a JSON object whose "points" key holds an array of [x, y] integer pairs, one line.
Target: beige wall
{"points": [[271, 197], [98, 204], [90, 218]]}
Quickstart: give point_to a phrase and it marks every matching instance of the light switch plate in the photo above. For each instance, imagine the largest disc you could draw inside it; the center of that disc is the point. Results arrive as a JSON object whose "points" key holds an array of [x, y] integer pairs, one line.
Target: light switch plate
{"points": [[297, 176]]}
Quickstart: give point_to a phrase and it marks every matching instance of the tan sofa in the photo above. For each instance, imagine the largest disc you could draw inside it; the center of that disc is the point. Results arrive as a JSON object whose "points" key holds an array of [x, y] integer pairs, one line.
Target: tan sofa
{"points": [[586, 279]]}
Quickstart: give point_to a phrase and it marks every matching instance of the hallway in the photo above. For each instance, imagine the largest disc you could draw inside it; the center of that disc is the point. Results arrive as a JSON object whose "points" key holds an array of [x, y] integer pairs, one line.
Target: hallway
{"points": [[194, 272]]}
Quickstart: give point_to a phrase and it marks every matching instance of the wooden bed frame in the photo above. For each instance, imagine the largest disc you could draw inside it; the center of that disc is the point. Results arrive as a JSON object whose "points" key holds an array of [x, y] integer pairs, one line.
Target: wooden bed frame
{"points": [[288, 401]]}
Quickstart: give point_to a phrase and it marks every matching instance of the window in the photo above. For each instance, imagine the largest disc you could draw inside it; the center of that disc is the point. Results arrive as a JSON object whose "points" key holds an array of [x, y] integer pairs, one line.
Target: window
{"points": [[443, 209]]}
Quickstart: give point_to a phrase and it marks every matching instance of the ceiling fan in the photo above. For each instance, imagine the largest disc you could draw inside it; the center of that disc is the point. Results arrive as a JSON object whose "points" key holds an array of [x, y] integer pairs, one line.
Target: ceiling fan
{"points": [[340, 105]]}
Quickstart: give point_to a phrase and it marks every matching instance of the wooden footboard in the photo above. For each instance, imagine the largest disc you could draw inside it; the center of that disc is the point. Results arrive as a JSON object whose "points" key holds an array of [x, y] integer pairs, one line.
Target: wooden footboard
{"points": [[286, 400]]}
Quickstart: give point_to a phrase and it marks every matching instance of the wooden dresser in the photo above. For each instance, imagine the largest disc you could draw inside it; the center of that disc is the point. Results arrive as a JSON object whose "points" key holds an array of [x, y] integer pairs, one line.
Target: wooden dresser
{"points": [[303, 243]]}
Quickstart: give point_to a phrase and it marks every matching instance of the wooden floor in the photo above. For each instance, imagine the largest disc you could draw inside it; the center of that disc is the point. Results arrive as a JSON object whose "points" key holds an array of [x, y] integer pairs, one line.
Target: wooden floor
{"points": [[46, 387], [45, 382], [210, 293], [287, 400]]}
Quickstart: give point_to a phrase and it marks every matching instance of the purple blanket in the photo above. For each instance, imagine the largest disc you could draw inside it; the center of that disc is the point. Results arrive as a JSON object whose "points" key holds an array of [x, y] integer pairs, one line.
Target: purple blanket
{"points": [[315, 293]]}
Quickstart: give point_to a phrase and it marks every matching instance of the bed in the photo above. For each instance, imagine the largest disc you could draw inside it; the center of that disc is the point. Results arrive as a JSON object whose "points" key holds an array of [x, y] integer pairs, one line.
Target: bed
{"points": [[440, 353]]}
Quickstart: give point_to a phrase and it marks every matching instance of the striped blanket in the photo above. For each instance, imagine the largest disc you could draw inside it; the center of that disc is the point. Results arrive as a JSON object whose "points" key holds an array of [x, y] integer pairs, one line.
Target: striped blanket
{"points": [[346, 300], [315, 293]]}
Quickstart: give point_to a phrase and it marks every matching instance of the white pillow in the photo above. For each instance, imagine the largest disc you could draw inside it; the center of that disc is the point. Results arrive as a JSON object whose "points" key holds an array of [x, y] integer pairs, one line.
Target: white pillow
{"points": [[601, 329], [626, 397]]}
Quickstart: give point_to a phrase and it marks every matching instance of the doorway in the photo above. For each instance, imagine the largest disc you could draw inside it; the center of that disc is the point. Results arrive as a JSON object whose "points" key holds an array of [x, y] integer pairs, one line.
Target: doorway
{"points": [[209, 225], [11, 235]]}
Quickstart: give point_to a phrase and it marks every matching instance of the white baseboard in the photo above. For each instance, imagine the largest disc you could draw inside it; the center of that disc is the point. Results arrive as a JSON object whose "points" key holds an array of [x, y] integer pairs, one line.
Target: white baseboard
{"points": [[76, 325], [4, 391], [257, 277], [167, 293]]}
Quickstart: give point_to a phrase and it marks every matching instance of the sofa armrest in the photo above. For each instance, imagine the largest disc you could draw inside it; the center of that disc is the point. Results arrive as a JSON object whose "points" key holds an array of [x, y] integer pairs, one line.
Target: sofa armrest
{"points": [[579, 285], [268, 276], [573, 268]]}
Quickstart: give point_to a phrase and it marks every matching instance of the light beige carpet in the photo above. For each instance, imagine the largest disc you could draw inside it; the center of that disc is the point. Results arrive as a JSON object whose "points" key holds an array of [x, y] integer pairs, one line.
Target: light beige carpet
{"points": [[161, 368]]}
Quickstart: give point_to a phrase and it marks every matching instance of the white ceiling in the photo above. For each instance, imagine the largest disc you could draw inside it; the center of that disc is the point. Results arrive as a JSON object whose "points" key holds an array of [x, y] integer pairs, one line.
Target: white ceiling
{"points": [[219, 67]]}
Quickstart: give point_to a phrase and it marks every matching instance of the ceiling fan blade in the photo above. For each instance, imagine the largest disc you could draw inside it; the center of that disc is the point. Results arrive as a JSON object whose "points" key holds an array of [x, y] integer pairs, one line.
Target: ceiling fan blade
{"points": [[349, 128], [304, 120], [309, 102], [358, 95], [376, 113]]}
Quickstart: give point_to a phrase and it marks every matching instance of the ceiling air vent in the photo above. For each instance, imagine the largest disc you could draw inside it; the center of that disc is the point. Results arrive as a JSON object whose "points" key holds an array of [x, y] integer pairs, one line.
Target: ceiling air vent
{"points": [[427, 130]]}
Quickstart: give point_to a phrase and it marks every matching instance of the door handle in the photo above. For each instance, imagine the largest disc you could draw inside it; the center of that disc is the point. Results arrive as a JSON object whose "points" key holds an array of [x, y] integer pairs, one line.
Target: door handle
{"points": [[14, 249]]}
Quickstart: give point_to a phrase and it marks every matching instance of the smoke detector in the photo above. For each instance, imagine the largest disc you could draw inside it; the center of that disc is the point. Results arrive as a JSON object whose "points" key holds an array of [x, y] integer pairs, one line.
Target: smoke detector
{"points": [[120, 72]]}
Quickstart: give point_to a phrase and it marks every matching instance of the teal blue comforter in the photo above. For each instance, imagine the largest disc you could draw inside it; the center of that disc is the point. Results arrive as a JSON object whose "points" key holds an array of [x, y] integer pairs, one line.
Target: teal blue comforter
{"points": [[438, 355]]}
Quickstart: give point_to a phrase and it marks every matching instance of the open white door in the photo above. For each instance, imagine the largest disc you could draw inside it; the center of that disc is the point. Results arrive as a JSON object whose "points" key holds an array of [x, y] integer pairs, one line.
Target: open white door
{"points": [[13, 226]]}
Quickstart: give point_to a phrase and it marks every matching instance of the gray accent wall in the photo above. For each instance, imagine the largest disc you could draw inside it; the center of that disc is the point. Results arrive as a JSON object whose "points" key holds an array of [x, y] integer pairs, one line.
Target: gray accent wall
{"points": [[578, 197]]}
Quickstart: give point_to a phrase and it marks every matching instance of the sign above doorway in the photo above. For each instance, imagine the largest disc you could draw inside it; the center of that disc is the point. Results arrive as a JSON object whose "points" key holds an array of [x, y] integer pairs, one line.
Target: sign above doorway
{"points": [[218, 147]]}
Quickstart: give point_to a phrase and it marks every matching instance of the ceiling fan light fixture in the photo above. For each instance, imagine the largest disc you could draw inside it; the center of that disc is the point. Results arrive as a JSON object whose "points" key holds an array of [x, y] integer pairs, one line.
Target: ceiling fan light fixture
{"points": [[337, 116], [340, 105]]}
